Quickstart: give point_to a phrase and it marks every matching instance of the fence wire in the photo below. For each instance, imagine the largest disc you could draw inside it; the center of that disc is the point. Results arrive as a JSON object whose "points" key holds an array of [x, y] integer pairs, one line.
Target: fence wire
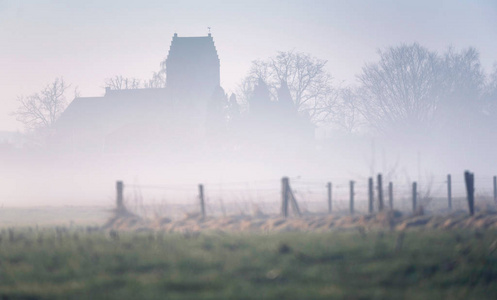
{"points": [[264, 196]]}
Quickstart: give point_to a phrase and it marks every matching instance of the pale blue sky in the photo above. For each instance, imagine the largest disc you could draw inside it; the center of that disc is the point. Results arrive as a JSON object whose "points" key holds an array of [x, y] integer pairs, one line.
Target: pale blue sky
{"points": [[88, 41]]}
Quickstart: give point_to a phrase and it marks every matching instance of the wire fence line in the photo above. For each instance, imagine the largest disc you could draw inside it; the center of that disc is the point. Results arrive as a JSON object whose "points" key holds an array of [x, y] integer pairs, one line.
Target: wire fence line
{"points": [[265, 196]]}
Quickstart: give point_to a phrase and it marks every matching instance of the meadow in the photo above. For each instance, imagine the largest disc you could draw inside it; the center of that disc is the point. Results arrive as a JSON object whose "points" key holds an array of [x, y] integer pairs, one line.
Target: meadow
{"points": [[90, 263]]}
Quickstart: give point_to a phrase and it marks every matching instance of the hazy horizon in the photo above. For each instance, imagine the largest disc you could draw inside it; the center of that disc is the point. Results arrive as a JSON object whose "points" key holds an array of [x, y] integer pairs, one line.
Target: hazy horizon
{"points": [[88, 41], [275, 149], [440, 122]]}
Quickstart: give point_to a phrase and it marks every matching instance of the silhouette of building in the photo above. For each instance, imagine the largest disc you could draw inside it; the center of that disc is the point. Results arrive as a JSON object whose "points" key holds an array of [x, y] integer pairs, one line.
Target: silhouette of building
{"points": [[189, 113], [192, 66], [275, 125], [148, 117]]}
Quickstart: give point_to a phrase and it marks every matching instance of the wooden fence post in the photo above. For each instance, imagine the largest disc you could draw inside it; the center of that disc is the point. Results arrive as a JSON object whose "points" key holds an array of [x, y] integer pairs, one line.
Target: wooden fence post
{"points": [[351, 197], [449, 190], [469, 178], [370, 194], [293, 200], [328, 185], [380, 193], [414, 196], [284, 196], [201, 198], [119, 195], [390, 195], [495, 189]]}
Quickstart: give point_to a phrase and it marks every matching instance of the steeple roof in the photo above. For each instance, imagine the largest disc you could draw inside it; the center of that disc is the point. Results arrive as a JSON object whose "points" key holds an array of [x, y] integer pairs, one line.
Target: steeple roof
{"points": [[192, 48], [192, 66]]}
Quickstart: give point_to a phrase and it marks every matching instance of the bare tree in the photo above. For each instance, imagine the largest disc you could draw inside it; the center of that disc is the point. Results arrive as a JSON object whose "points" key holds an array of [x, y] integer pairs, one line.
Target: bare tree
{"points": [[493, 78], [402, 89], [344, 111], [463, 86], [411, 88], [490, 94], [158, 80], [488, 121], [309, 83], [119, 82], [40, 111]]}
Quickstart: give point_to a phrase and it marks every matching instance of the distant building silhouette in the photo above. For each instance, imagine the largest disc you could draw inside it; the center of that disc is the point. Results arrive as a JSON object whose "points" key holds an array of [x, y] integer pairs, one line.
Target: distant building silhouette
{"points": [[192, 66], [191, 112], [275, 125], [101, 124], [134, 119]]}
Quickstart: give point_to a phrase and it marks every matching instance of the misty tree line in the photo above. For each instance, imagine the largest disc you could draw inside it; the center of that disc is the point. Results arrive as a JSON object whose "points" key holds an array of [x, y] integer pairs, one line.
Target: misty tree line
{"points": [[410, 90]]}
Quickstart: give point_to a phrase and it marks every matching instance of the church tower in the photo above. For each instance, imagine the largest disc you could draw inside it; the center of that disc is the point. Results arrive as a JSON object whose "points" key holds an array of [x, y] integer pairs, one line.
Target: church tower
{"points": [[192, 66]]}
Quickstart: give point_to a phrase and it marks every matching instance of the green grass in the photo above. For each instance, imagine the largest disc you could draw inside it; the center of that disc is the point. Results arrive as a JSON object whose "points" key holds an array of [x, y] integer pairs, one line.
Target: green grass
{"points": [[81, 264]]}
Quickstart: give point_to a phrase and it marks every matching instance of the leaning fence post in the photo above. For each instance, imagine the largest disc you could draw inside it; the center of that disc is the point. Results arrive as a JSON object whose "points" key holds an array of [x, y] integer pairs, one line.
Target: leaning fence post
{"points": [[201, 198], [390, 195], [293, 201], [449, 190], [380, 193], [119, 195], [414, 196], [351, 197], [284, 196], [370, 194], [329, 197], [495, 189], [469, 178]]}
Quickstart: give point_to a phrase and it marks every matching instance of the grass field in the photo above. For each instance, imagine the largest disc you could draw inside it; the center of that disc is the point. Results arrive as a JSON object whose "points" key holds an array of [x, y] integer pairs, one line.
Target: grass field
{"points": [[85, 263]]}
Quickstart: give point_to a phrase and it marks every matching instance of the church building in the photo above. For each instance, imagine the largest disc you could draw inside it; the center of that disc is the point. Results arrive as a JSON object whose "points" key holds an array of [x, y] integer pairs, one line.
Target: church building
{"points": [[134, 119], [192, 65]]}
